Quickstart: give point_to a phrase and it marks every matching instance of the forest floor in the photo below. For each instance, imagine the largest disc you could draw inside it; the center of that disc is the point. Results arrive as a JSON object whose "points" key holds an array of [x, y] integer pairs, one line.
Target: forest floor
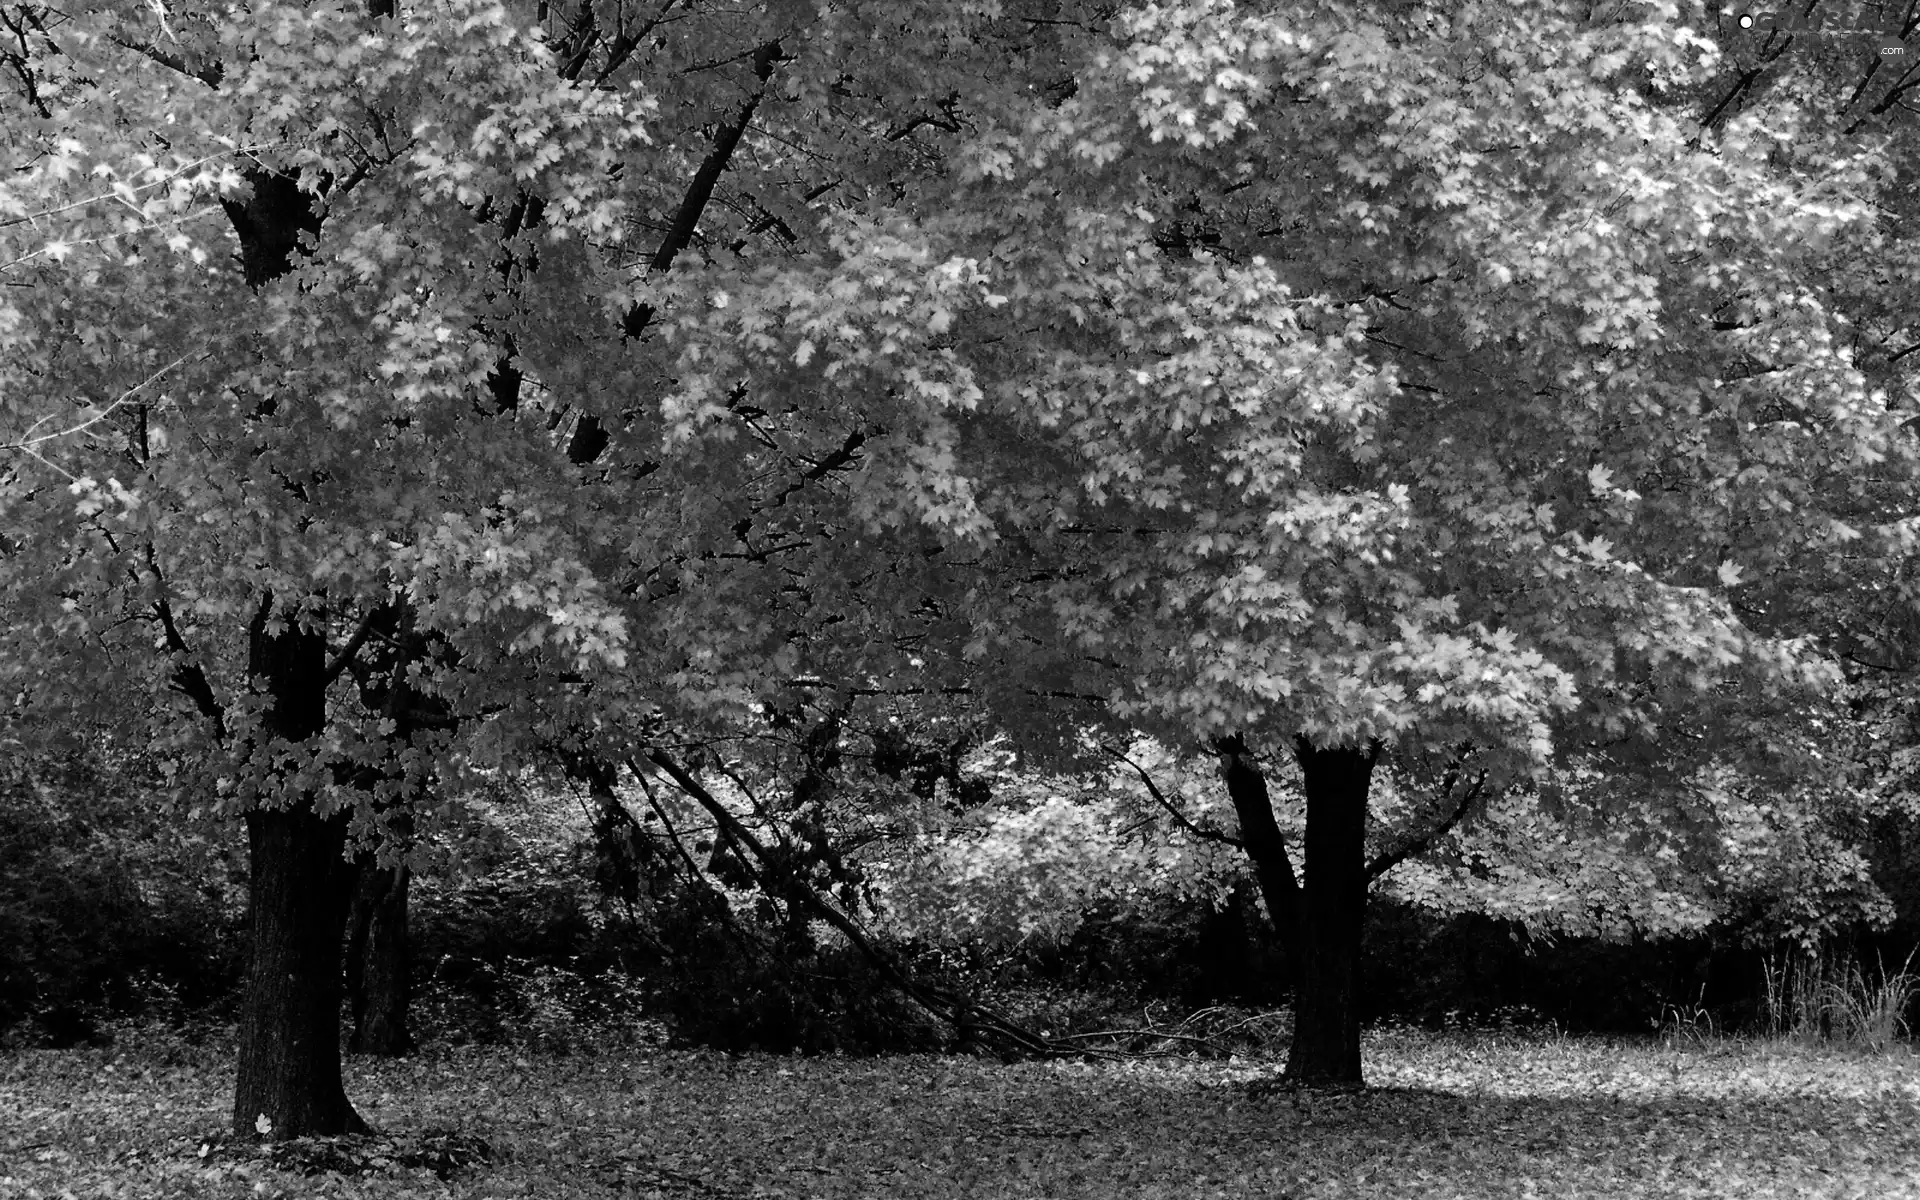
{"points": [[1453, 1115]]}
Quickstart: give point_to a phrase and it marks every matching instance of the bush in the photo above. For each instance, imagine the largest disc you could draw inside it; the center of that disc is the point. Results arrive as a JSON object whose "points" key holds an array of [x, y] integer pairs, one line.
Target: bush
{"points": [[535, 950], [1434, 970], [108, 908], [818, 1000]]}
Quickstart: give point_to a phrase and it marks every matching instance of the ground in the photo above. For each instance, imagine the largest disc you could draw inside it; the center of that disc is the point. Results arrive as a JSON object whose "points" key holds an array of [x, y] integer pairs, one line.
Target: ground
{"points": [[1456, 1115]]}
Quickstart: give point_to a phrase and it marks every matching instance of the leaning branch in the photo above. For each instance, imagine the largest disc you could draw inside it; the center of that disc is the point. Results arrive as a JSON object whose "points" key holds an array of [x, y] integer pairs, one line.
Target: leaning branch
{"points": [[960, 1010], [686, 218], [1266, 847], [347, 652], [1185, 822], [189, 678], [589, 439], [1420, 845]]}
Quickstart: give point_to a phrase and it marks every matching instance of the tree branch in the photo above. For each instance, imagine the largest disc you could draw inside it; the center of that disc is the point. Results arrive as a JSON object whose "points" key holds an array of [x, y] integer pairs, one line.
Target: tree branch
{"points": [[1205, 835], [590, 438], [962, 1011], [189, 678], [1265, 846], [213, 74], [1420, 845], [1893, 668], [353, 645], [693, 205]]}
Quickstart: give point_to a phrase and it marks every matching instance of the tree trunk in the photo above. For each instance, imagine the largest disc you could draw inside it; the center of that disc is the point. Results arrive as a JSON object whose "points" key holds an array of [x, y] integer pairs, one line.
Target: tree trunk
{"points": [[1260, 836], [289, 1081], [289, 1070], [1333, 900], [379, 955], [378, 960]]}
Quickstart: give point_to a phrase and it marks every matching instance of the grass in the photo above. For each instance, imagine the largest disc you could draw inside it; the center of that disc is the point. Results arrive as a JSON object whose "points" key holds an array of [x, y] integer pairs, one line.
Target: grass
{"points": [[1817, 998], [1454, 1115]]}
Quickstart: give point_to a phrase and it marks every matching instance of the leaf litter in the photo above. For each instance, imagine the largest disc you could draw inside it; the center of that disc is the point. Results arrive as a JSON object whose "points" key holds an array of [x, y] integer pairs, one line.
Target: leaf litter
{"points": [[1453, 1115]]}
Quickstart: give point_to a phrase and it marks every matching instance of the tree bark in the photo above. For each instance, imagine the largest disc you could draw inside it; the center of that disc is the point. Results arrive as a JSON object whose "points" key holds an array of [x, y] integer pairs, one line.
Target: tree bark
{"points": [[289, 1070], [1326, 1012], [1260, 834], [289, 1082], [379, 960]]}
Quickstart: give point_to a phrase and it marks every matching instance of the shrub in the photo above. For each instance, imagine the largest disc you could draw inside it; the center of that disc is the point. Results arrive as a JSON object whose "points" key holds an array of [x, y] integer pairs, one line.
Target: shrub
{"points": [[1435, 970], [108, 907]]}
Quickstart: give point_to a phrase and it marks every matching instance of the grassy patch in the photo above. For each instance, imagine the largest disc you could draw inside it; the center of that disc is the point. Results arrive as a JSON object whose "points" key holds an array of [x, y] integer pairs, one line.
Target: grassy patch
{"points": [[1453, 1115]]}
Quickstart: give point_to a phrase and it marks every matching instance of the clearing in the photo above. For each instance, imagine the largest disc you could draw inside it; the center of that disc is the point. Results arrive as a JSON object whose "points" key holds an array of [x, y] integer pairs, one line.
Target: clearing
{"points": [[1470, 1115]]}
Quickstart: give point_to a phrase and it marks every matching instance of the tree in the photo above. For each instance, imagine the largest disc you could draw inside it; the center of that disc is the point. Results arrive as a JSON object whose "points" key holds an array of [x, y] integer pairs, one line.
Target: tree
{"points": [[1541, 435], [325, 322]]}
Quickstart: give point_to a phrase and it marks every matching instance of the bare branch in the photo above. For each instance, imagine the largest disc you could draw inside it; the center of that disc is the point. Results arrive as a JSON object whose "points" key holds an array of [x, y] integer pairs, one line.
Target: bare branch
{"points": [[28, 443], [1186, 823], [347, 652], [189, 678], [1420, 845]]}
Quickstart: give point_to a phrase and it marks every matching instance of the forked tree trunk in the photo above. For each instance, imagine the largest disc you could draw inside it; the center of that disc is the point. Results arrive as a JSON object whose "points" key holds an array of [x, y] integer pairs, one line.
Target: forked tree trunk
{"points": [[289, 1081], [1333, 902], [1319, 919]]}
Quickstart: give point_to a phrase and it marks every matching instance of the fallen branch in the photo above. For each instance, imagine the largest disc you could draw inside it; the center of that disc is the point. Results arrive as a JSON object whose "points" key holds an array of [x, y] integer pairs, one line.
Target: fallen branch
{"points": [[1168, 1035], [961, 1011]]}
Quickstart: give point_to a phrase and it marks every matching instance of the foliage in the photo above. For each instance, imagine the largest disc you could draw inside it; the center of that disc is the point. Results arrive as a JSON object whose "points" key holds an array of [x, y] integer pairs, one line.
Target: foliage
{"points": [[107, 908], [515, 946], [522, 942], [1509, 487], [1478, 1114], [1564, 859], [1569, 858], [1474, 970], [1048, 851]]}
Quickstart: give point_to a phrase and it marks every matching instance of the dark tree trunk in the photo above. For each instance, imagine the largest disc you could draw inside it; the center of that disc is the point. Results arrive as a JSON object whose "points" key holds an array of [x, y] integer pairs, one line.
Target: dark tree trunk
{"points": [[378, 960], [1318, 921], [289, 1081], [289, 1070], [1326, 1012], [379, 956], [1260, 834]]}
